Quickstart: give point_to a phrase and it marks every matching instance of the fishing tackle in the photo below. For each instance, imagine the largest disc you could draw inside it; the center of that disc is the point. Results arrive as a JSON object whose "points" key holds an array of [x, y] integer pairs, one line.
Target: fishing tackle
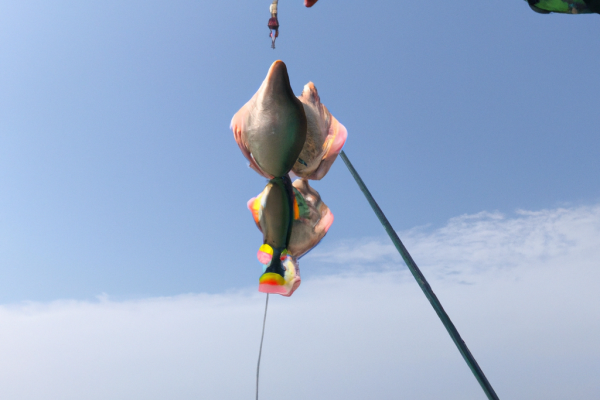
{"points": [[273, 23]]}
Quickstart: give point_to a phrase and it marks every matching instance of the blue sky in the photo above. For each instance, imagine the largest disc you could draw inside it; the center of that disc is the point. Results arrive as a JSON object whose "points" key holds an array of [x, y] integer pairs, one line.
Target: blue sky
{"points": [[119, 176]]}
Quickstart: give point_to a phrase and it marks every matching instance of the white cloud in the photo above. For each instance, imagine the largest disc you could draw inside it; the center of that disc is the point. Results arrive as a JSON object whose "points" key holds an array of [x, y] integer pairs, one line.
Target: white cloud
{"points": [[530, 314], [471, 244]]}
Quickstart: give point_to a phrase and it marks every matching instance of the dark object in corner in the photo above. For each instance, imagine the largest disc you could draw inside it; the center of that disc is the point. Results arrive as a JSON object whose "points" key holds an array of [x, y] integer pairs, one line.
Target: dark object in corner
{"points": [[565, 7]]}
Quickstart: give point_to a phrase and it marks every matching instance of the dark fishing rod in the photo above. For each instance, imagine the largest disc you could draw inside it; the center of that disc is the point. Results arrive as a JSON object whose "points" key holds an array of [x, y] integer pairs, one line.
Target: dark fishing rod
{"points": [[420, 278]]}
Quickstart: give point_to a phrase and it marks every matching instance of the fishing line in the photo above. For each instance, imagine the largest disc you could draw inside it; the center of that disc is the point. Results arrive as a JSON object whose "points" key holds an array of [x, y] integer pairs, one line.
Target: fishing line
{"points": [[261, 343]]}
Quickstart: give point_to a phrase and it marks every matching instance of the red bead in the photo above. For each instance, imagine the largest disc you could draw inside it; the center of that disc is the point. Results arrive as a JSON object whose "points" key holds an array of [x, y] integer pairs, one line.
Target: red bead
{"points": [[273, 23]]}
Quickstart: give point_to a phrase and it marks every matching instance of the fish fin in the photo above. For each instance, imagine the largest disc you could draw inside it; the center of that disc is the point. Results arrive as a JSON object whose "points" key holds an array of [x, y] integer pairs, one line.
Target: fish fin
{"points": [[237, 127], [336, 138]]}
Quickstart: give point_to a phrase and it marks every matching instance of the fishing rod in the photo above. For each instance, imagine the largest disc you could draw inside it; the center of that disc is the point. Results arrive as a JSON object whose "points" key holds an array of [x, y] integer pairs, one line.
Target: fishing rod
{"points": [[420, 278]]}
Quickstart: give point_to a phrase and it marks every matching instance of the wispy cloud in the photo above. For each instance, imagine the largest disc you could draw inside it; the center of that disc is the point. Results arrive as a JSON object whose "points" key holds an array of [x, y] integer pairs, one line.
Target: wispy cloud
{"points": [[531, 317], [481, 242]]}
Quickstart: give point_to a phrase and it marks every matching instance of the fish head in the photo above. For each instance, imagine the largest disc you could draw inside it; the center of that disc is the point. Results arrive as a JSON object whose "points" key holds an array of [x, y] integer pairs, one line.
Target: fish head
{"points": [[272, 124]]}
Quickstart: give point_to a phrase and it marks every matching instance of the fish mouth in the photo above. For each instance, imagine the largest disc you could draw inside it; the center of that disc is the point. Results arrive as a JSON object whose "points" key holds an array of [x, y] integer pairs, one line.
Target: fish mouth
{"points": [[276, 85]]}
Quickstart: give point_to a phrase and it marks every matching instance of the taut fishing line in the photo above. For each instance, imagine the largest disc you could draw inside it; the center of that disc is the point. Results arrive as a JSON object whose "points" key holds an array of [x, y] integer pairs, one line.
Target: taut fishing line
{"points": [[262, 336]]}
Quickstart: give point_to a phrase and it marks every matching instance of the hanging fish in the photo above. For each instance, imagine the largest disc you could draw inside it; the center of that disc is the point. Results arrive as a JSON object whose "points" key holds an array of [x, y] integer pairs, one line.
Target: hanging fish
{"points": [[270, 129], [278, 133], [311, 221], [325, 136], [275, 222], [565, 6]]}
